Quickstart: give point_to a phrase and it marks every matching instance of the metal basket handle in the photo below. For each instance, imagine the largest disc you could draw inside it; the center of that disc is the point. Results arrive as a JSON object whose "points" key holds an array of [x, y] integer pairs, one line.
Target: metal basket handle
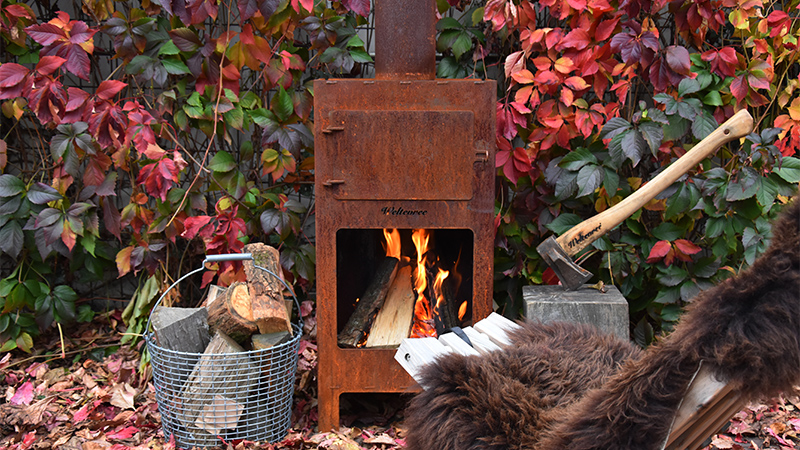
{"points": [[220, 258]]}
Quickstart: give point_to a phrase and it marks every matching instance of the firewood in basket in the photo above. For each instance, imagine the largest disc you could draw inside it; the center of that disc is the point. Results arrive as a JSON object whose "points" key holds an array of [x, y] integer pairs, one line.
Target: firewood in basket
{"points": [[231, 314], [369, 304], [394, 320], [181, 329], [220, 414], [219, 372], [265, 341], [268, 307]]}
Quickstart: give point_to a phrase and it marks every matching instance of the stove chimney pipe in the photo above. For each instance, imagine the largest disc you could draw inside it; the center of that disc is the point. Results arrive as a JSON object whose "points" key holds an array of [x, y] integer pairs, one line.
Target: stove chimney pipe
{"points": [[405, 39]]}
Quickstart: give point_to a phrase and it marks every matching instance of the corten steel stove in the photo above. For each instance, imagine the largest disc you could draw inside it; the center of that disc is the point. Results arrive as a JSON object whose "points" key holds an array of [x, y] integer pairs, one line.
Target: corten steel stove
{"points": [[403, 151]]}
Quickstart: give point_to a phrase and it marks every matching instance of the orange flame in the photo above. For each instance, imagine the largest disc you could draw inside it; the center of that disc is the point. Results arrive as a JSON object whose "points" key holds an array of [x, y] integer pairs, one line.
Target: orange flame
{"points": [[392, 244], [462, 311], [423, 313]]}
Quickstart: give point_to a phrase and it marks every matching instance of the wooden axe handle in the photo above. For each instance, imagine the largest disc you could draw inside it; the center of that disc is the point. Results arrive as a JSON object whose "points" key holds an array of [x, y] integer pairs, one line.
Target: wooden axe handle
{"points": [[586, 232]]}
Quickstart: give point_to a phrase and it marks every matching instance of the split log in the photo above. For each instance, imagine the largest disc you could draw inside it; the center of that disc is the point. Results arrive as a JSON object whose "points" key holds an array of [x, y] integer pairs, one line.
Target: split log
{"points": [[265, 341], [267, 305], [231, 314], [181, 329], [214, 292], [220, 414], [220, 372], [445, 312], [394, 319], [369, 304]]}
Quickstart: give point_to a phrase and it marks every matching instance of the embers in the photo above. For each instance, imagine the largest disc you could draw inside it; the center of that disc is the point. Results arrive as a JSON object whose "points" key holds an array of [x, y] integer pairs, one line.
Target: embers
{"points": [[420, 284]]}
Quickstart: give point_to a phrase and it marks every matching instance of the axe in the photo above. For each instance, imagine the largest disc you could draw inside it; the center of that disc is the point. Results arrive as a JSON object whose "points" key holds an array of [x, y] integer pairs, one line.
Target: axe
{"points": [[558, 252]]}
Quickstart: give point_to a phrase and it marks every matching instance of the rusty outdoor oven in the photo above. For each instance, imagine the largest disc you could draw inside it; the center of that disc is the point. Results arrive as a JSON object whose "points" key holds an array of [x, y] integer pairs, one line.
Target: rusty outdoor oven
{"points": [[403, 151]]}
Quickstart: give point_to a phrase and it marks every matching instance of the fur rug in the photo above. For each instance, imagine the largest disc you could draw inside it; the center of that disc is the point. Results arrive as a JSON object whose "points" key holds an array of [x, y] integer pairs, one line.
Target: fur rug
{"points": [[563, 386]]}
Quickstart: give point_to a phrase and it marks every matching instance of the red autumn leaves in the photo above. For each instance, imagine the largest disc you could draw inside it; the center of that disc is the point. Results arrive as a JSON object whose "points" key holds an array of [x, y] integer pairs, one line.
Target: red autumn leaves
{"points": [[668, 252]]}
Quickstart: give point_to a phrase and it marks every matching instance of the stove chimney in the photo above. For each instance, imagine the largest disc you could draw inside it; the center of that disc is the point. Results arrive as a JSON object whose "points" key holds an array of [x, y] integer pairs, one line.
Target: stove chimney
{"points": [[405, 39]]}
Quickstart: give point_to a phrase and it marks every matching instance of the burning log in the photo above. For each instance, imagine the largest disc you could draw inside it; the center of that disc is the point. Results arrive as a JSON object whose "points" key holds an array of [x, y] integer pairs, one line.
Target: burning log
{"points": [[372, 301], [393, 322], [230, 313], [267, 302]]}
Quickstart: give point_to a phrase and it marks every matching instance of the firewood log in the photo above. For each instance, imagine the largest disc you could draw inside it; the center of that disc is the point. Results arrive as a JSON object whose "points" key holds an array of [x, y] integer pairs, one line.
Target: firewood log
{"points": [[394, 320], [231, 314], [267, 304], [218, 373], [369, 304]]}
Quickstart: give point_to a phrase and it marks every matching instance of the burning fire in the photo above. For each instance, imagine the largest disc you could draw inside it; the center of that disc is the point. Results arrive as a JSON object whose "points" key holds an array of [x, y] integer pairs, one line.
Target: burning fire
{"points": [[425, 315], [392, 244]]}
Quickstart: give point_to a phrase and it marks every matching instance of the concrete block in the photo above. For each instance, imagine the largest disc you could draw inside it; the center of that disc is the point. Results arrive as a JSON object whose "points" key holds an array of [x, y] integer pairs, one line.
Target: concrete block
{"points": [[607, 311]]}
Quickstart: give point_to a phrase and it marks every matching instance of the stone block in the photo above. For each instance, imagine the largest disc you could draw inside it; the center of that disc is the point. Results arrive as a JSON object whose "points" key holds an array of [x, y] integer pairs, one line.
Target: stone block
{"points": [[607, 311]]}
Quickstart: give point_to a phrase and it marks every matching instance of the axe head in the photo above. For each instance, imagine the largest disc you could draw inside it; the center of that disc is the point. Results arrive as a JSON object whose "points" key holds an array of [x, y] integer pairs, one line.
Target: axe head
{"points": [[572, 276]]}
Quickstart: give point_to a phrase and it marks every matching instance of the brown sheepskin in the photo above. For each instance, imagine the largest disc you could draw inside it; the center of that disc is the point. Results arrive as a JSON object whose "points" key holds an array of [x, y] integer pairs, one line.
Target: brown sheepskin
{"points": [[564, 386]]}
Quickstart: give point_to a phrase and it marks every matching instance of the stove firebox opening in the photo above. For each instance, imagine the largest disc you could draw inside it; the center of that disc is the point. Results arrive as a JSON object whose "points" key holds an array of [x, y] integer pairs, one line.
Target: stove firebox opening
{"points": [[393, 284]]}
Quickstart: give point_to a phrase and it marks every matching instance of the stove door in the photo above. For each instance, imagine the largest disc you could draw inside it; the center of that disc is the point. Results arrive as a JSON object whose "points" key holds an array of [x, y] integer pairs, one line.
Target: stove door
{"points": [[399, 155]]}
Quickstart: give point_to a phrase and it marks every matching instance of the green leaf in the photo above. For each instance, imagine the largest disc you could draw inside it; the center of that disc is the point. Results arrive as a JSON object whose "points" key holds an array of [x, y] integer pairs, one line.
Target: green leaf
{"points": [[668, 295], [676, 128], [175, 66], [703, 125], [614, 127], [672, 275], [24, 342], [688, 86], [634, 146], [577, 158], [169, 48], [447, 68], [653, 134], [715, 226], [768, 192], [234, 118], [789, 169], [11, 238], [563, 222], [713, 99], [355, 42], [449, 23], [667, 231], [10, 185], [679, 203], [282, 104], [222, 162], [589, 178], [360, 56], [461, 45], [611, 182], [85, 314], [40, 194], [689, 290]]}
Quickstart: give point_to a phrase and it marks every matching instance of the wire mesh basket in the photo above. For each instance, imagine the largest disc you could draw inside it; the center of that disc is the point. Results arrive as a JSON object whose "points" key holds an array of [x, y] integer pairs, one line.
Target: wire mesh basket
{"points": [[207, 398]]}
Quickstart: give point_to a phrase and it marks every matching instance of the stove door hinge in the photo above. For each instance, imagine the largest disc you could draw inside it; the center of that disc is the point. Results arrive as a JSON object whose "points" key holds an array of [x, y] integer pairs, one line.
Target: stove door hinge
{"points": [[331, 183], [332, 129], [481, 155]]}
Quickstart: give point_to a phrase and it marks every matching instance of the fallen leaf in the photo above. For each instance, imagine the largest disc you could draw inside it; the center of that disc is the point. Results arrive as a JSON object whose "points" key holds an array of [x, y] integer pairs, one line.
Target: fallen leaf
{"points": [[123, 433], [96, 445], [122, 396], [381, 439], [722, 442], [24, 394]]}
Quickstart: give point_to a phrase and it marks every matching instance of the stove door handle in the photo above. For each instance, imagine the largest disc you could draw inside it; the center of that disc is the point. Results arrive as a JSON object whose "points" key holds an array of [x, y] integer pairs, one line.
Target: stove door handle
{"points": [[330, 183]]}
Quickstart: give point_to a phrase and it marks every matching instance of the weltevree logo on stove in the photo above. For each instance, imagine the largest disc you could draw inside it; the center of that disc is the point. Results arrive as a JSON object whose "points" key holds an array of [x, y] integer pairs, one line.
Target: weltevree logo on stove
{"points": [[391, 211]]}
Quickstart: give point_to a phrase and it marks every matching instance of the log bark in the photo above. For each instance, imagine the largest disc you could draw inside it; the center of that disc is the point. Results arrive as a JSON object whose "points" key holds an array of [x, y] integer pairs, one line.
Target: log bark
{"points": [[394, 320], [231, 314], [181, 329], [218, 373], [369, 304], [267, 306]]}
